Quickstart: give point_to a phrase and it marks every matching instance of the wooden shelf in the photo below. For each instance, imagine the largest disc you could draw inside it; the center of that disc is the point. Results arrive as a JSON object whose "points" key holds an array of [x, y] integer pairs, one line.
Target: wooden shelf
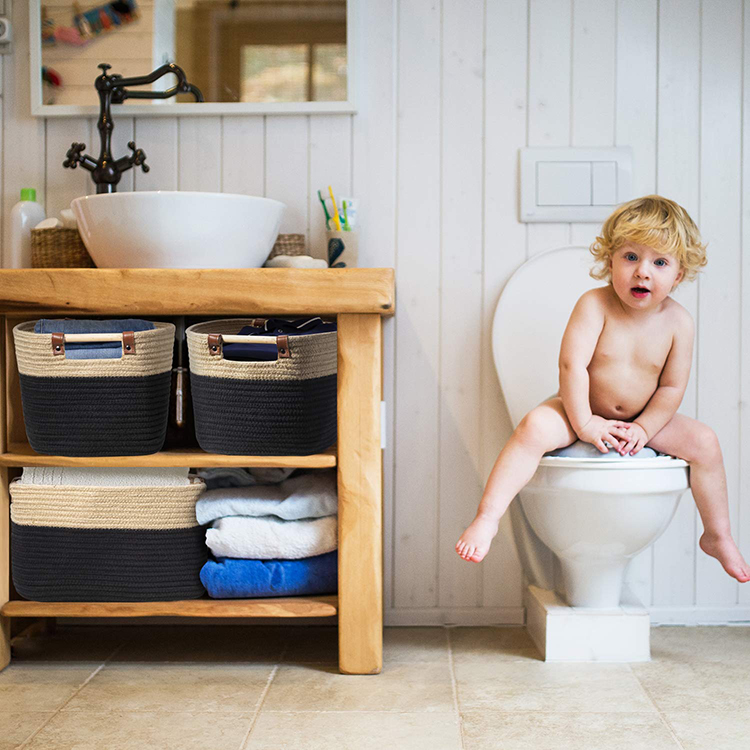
{"points": [[22, 455], [205, 292], [297, 606]]}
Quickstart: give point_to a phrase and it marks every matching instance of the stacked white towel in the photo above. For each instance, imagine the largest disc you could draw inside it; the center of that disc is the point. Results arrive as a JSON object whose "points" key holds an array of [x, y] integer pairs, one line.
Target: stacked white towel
{"points": [[105, 477], [293, 519]]}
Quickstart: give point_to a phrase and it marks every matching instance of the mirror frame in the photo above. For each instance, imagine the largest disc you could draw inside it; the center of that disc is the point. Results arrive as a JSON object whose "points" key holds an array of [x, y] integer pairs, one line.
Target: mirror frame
{"points": [[185, 108]]}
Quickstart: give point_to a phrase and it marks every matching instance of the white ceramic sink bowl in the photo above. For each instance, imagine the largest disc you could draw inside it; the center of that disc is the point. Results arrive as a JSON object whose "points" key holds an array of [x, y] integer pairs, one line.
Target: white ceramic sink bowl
{"points": [[170, 229]]}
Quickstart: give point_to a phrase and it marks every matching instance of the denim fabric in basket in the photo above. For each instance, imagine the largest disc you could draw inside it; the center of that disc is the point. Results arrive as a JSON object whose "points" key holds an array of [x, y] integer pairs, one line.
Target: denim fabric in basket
{"points": [[92, 349], [273, 327]]}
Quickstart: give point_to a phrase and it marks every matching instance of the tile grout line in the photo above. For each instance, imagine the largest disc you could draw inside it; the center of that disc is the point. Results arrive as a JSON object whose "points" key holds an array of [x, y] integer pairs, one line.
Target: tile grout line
{"points": [[454, 687], [663, 718], [70, 698], [262, 698]]}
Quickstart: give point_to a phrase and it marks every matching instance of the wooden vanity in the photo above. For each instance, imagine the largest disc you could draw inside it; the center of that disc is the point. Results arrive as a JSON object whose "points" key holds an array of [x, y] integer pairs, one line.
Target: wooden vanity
{"points": [[359, 298]]}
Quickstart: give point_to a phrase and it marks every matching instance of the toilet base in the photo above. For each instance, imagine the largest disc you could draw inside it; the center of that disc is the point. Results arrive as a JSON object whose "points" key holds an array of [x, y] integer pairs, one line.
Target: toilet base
{"points": [[563, 633]]}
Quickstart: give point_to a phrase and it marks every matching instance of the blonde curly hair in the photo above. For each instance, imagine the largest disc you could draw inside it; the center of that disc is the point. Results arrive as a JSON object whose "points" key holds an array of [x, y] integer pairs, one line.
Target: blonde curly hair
{"points": [[656, 222]]}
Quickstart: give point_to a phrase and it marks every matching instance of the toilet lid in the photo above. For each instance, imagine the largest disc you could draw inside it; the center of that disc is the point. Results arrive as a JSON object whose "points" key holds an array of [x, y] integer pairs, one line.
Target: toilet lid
{"points": [[529, 323]]}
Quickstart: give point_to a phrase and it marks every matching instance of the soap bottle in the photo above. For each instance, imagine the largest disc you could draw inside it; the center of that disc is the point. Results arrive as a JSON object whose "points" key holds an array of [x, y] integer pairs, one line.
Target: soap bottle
{"points": [[24, 216]]}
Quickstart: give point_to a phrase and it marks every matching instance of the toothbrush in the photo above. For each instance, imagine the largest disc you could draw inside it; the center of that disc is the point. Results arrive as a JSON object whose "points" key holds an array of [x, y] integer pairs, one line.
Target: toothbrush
{"points": [[347, 228], [325, 210], [336, 220]]}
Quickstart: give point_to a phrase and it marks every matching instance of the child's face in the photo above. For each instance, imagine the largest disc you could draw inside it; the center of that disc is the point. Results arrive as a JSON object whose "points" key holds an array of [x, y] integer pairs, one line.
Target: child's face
{"points": [[642, 277]]}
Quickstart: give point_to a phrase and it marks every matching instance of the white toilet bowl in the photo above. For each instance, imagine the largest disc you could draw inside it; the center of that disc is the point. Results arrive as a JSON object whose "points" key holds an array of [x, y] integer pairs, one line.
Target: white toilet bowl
{"points": [[594, 513]]}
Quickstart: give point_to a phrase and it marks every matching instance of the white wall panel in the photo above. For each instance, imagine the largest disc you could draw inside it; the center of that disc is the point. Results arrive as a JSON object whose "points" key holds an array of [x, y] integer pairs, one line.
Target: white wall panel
{"points": [[447, 92], [678, 177], [720, 286], [417, 387]]}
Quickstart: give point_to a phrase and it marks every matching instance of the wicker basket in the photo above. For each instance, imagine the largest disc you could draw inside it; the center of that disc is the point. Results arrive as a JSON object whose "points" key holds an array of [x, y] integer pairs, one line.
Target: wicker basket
{"points": [[59, 248], [282, 407], [87, 543], [95, 407], [288, 244]]}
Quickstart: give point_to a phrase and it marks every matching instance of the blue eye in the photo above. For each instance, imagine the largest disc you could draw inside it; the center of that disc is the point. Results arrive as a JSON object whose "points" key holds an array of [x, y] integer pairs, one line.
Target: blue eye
{"points": [[660, 262], [631, 256]]}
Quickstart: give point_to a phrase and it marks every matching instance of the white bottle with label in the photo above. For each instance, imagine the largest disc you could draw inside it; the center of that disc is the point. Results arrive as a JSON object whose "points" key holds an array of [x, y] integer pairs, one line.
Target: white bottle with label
{"points": [[24, 216]]}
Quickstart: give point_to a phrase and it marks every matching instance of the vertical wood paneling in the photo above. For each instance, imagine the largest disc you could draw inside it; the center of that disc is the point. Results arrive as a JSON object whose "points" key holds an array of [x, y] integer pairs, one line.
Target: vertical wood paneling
{"points": [[446, 94], [720, 287], [243, 164], [24, 154], [330, 164], [287, 169], [504, 241], [592, 86], [549, 97], [460, 484], [678, 165], [417, 323], [743, 526], [159, 138], [199, 157], [635, 126], [374, 184], [63, 185]]}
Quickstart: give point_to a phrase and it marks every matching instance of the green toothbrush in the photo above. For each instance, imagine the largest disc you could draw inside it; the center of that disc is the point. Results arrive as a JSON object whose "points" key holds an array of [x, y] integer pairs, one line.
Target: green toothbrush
{"points": [[325, 210], [347, 228]]}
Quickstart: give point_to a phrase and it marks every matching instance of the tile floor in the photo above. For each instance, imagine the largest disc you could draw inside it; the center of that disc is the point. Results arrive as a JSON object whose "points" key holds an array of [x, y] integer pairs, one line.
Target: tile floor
{"points": [[267, 688]]}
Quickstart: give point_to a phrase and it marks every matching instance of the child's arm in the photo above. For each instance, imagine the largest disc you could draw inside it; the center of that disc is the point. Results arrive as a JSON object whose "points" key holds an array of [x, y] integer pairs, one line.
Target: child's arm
{"points": [[578, 344], [663, 405]]}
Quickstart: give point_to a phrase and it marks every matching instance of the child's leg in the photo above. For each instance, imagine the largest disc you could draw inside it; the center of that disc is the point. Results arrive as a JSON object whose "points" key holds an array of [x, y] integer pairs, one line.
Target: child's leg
{"points": [[543, 429], [697, 443]]}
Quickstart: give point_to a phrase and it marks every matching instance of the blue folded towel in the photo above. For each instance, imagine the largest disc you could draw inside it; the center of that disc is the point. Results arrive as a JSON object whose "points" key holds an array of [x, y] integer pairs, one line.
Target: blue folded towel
{"points": [[94, 349], [227, 577]]}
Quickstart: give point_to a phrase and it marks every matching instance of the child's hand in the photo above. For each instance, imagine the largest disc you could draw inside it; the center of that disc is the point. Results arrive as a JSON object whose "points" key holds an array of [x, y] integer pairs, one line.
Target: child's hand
{"points": [[637, 439], [598, 429]]}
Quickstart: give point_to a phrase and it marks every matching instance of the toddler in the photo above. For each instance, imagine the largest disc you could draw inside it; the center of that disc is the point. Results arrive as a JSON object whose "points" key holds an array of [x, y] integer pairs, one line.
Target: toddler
{"points": [[624, 365]]}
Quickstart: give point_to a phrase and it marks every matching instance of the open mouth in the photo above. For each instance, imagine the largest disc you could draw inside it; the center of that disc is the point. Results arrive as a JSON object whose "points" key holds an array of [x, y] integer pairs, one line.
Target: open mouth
{"points": [[639, 292]]}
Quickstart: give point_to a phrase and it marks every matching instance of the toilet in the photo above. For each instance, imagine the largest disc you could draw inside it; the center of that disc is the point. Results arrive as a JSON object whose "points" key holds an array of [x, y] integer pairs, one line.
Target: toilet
{"points": [[594, 512]]}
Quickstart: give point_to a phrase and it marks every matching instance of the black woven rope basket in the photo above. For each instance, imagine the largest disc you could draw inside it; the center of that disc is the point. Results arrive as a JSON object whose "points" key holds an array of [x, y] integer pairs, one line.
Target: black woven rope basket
{"points": [[95, 407], [59, 554], [285, 406]]}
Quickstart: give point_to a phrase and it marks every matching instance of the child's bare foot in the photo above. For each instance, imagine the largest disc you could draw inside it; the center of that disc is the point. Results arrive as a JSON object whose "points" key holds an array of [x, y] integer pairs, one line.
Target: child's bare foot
{"points": [[725, 551], [474, 543]]}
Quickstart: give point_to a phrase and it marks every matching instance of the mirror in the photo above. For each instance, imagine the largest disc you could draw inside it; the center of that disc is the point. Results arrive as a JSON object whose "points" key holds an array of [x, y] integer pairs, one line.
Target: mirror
{"points": [[261, 56]]}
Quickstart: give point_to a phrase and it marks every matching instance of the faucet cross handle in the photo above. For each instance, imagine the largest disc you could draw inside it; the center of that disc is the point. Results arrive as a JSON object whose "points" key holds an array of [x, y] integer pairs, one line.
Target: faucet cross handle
{"points": [[139, 157], [74, 155]]}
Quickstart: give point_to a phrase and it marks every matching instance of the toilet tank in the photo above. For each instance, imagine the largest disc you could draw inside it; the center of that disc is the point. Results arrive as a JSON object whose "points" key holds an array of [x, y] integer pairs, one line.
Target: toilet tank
{"points": [[529, 323]]}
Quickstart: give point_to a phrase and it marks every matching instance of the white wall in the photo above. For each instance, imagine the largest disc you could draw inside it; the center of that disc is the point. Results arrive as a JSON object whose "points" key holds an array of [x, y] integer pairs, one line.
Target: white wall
{"points": [[447, 92]]}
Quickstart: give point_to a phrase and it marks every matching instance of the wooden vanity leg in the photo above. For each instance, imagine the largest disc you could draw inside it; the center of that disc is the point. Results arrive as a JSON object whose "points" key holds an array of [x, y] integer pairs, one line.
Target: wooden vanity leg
{"points": [[4, 567], [360, 494]]}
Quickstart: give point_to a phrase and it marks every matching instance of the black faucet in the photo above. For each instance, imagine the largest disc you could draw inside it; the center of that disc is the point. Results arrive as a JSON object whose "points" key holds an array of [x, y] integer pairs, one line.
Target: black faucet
{"points": [[113, 89]]}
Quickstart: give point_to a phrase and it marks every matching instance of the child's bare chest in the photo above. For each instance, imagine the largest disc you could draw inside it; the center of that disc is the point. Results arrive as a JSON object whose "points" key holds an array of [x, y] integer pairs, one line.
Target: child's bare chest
{"points": [[632, 348]]}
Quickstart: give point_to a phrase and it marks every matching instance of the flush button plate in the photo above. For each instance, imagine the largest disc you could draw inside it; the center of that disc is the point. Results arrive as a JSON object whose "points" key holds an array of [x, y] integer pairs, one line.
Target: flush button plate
{"points": [[574, 184]]}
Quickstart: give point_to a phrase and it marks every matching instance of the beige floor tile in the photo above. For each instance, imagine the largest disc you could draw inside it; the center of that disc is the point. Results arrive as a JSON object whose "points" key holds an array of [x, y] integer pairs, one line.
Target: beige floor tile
{"points": [[495, 644], [115, 730], [16, 726], [539, 686], [700, 644], [204, 688], [494, 730], [41, 686], [415, 645], [700, 686], [210, 644], [399, 687], [722, 730], [364, 730]]}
